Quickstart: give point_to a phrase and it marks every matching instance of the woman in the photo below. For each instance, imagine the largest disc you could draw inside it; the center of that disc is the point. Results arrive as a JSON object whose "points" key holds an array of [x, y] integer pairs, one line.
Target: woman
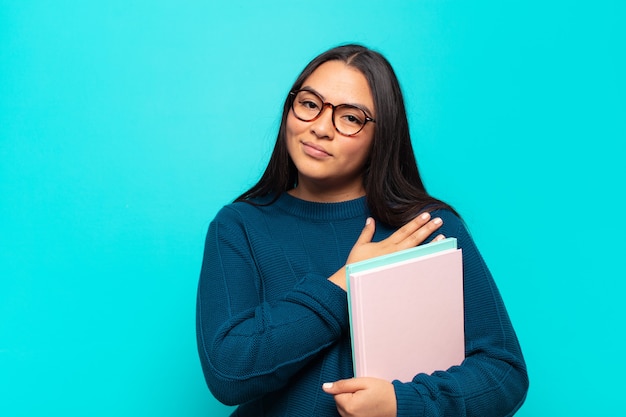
{"points": [[342, 185]]}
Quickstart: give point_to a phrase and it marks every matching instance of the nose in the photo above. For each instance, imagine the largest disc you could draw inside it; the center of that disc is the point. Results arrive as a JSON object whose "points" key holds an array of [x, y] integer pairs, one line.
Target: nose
{"points": [[323, 126]]}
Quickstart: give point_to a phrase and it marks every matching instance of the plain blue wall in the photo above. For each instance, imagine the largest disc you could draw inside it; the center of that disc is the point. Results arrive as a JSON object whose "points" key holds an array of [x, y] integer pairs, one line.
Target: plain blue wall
{"points": [[120, 137]]}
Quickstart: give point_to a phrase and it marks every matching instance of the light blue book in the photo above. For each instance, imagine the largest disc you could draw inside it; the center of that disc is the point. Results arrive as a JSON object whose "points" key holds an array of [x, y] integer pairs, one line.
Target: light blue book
{"points": [[403, 255]]}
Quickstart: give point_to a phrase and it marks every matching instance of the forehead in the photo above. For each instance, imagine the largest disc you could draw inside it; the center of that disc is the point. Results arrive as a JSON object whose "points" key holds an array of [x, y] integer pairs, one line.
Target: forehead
{"points": [[339, 83]]}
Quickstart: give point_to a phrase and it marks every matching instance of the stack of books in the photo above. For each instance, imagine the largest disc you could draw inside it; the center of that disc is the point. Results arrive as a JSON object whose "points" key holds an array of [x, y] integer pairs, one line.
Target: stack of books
{"points": [[406, 312]]}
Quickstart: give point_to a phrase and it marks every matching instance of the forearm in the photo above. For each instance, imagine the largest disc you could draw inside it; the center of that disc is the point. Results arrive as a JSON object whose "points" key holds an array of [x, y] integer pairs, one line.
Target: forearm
{"points": [[482, 386], [256, 351]]}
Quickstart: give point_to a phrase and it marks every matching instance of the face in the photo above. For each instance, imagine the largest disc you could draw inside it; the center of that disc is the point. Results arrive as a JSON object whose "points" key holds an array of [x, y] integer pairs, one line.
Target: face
{"points": [[330, 165]]}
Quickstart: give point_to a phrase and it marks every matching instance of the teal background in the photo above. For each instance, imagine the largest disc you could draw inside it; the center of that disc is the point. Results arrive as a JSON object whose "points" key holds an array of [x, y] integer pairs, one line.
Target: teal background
{"points": [[121, 134]]}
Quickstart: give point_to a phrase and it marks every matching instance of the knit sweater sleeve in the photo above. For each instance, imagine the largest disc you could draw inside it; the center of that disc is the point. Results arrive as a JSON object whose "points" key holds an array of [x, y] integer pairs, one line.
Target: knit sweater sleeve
{"points": [[250, 345], [492, 380]]}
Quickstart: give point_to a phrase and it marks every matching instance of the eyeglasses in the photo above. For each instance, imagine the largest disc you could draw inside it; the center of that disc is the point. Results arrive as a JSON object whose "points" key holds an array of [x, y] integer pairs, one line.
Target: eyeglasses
{"points": [[347, 119]]}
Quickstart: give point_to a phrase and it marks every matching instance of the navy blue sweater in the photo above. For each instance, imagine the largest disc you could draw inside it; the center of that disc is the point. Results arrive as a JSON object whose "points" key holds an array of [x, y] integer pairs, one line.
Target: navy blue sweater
{"points": [[272, 329]]}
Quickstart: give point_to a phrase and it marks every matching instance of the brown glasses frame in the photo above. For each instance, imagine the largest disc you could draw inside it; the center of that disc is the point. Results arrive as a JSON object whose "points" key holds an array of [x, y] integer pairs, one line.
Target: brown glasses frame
{"points": [[325, 104]]}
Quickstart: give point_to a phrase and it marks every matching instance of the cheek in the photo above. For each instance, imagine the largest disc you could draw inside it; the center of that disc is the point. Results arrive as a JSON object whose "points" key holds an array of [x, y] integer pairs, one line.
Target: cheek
{"points": [[293, 126], [290, 131], [360, 151], [363, 156]]}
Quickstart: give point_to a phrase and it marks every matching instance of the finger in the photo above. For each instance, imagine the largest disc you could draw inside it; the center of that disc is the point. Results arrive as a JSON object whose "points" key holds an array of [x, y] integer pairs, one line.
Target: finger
{"points": [[367, 233], [438, 238], [411, 227], [342, 401], [343, 386], [416, 236], [423, 232]]}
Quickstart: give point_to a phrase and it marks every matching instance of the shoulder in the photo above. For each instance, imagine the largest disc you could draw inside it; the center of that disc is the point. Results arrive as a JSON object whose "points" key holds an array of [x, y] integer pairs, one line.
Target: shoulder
{"points": [[248, 217], [235, 223], [454, 226], [451, 222], [243, 210], [235, 210]]}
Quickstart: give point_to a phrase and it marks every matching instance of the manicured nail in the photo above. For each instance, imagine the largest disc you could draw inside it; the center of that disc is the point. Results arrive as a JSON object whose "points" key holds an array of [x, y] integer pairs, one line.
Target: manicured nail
{"points": [[327, 385], [368, 221], [437, 221], [425, 216]]}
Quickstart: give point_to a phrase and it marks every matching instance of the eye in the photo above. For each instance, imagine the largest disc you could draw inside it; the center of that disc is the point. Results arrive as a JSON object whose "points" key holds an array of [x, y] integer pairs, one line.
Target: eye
{"points": [[309, 104], [353, 119], [351, 115]]}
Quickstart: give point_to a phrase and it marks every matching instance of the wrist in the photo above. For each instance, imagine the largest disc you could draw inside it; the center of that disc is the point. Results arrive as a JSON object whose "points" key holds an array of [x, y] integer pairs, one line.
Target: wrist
{"points": [[339, 278]]}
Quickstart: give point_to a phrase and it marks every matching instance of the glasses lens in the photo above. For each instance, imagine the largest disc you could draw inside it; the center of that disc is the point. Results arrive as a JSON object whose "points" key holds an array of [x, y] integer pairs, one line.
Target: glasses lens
{"points": [[307, 106], [349, 120]]}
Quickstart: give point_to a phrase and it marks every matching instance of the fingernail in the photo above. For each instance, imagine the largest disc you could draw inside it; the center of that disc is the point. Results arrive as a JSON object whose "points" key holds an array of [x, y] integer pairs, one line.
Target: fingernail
{"points": [[425, 216], [327, 385], [437, 221], [368, 221]]}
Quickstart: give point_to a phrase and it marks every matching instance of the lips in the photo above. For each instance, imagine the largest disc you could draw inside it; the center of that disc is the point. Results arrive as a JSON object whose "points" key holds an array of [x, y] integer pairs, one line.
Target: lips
{"points": [[314, 150]]}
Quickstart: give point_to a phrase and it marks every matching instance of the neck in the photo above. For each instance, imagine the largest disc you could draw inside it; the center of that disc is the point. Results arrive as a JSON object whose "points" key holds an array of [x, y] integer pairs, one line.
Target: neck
{"points": [[325, 194]]}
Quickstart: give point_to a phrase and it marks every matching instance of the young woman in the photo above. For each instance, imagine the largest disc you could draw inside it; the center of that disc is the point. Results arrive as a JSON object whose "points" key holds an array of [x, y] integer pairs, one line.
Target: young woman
{"points": [[342, 185]]}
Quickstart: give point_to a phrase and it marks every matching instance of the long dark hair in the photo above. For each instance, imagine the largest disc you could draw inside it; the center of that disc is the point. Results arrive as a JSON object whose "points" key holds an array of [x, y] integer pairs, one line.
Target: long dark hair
{"points": [[394, 190]]}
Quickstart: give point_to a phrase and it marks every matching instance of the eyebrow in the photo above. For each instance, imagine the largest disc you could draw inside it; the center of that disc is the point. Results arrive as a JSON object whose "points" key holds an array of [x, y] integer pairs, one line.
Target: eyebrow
{"points": [[358, 106]]}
